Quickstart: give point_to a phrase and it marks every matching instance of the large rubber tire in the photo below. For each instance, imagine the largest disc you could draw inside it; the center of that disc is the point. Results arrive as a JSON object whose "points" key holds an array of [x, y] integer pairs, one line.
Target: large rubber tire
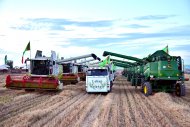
{"points": [[147, 89], [133, 81], [142, 84], [111, 85], [129, 78], [180, 89]]}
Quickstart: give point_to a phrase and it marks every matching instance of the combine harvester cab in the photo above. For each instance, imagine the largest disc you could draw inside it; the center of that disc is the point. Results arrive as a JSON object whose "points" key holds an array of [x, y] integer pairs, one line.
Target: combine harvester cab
{"points": [[72, 71], [43, 74], [69, 73], [82, 72], [98, 79]]}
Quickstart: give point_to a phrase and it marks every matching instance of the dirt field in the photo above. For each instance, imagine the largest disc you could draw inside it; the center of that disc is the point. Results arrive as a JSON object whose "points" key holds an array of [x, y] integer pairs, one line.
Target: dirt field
{"points": [[124, 106]]}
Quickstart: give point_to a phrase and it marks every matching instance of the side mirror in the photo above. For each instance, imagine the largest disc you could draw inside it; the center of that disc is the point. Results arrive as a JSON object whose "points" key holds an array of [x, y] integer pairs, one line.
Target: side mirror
{"points": [[53, 62]]}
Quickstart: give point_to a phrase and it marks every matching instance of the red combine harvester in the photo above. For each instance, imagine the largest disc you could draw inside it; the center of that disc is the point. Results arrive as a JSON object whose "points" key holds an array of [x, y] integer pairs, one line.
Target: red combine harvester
{"points": [[43, 74], [69, 73], [73, 72]]}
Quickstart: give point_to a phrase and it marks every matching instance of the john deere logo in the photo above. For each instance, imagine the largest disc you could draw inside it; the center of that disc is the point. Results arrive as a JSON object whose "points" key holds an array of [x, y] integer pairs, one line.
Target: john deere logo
{"points": [[97, 84]]}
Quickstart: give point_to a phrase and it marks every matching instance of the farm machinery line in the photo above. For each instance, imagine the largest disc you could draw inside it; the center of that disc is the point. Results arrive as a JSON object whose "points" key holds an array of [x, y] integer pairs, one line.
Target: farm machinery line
{"points": [[157, 72], [47, 73]]}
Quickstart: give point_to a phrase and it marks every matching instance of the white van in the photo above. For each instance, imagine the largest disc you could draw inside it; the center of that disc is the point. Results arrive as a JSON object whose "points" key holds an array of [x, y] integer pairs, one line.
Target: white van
{"points": [[98, 79]]}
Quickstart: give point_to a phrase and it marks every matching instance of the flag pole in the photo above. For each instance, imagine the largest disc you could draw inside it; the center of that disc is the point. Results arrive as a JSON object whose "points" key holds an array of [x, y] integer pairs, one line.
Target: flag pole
{"points": [[30, 60], [30, 50]]}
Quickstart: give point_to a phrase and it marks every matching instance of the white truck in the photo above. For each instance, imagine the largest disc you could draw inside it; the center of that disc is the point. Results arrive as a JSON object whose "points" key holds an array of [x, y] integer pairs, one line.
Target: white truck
{"points": [[99, 79]]}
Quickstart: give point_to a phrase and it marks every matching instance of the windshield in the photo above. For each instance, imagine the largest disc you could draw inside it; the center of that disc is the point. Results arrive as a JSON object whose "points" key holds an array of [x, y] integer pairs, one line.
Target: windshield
{"points": [[97, 72], [67, 68], [40, 67], [80, 68]]}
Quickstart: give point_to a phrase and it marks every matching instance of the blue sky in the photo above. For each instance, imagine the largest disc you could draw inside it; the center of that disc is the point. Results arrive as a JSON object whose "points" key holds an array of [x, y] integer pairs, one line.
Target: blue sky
{"points": [[77, 27]]}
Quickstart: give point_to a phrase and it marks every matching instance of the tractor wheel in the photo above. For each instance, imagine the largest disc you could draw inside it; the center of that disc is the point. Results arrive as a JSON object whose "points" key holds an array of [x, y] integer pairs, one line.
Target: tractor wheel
{"points": [[133, 81], [147, 89], [129, 78], [142, 84], [180, 89], [111, 85]]}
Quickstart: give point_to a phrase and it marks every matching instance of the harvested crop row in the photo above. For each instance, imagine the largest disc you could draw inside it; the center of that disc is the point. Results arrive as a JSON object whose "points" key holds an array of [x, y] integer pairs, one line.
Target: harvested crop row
{"points": [[124, 106], [40, 110], [83, 115], [14, 110], [178, 113], [74, 112]]}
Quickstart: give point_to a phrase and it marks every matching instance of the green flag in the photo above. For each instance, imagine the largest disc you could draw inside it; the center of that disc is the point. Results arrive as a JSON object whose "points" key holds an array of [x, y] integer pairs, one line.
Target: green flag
{"points": [[105, 62], [166, 49], [26, 49]]}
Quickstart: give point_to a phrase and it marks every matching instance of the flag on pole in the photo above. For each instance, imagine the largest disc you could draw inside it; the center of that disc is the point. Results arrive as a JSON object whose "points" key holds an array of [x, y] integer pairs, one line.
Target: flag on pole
{"points": [[26, 49], [105, 62], [166, 49]]}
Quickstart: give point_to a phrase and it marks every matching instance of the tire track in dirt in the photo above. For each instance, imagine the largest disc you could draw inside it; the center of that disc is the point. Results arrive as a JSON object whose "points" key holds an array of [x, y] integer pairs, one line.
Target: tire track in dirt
{"points": [[85, 113], [114, 111], [121, 114], [103, 117], [177, 113], [56, 120], [46, 104], [157, 113], [149, 118], [89, 119], [126, 107], [17, 101], [13, 110], [40, 110], [181, 101], [136, 116], [186, 99], [51, 117], [7, 96], [74, 113], [143, 110]]}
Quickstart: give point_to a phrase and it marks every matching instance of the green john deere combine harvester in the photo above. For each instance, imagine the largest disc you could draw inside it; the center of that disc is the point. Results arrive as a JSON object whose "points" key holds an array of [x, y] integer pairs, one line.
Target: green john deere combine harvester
{"points": [[157, 72]]}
